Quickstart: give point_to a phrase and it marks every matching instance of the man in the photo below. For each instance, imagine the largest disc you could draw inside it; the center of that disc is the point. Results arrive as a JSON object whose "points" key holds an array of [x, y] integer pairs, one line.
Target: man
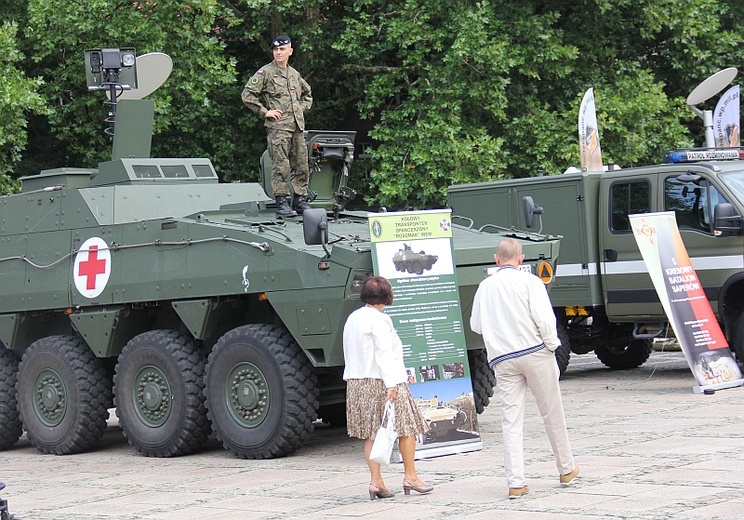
{"points": [[512, 311], [278, 93]]}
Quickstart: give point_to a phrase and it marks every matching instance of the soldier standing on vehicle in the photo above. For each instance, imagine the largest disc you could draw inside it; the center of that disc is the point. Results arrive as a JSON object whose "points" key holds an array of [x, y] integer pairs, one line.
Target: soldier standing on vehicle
{"points": [[512, 310], [286, 97]]}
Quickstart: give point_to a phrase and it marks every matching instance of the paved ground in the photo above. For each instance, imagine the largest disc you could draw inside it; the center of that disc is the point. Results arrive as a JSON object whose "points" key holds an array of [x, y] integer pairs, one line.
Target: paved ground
{"points": [[648, 448]]}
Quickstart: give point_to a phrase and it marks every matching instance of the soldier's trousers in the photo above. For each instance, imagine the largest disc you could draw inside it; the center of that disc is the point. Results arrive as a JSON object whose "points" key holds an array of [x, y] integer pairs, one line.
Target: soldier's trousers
{"points": [[289, 163]]}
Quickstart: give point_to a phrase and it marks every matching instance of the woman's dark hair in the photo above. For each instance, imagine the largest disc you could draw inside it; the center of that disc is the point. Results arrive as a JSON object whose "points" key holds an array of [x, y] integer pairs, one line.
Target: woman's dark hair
{"points": [[377, 290]]}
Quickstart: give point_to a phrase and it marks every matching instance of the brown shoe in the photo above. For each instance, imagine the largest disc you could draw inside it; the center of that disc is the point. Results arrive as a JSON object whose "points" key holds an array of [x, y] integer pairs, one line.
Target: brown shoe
{"points": [[518, 492], [568, 477]]}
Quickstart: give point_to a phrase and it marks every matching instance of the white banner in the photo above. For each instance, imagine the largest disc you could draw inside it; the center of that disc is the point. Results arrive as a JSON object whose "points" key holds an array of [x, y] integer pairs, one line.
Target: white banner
{"points": [[726, 123], [684, 301], [590, 151]]}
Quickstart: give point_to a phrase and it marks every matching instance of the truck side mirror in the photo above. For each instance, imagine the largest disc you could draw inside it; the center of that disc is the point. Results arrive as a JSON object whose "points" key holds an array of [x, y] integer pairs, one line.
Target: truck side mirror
{"points": [[530, 210], [726, 222], [315, 231], [314, 226]]}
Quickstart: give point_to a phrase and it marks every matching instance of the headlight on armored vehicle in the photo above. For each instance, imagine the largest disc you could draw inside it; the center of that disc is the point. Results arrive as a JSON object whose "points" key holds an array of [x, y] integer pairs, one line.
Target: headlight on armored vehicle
{"points": [[357, 279]]}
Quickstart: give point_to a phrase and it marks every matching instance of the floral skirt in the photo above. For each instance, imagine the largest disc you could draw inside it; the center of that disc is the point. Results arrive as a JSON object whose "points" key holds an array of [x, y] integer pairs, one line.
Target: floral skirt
{"points": [[365, 403]]}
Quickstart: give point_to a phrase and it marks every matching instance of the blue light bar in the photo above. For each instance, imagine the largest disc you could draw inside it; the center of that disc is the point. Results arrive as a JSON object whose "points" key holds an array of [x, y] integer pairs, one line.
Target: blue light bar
{"points": [[703, 155]]}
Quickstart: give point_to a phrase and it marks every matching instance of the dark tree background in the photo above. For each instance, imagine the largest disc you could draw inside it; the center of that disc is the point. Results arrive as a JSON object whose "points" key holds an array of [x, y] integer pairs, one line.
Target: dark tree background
{"points": [[441, 92]]}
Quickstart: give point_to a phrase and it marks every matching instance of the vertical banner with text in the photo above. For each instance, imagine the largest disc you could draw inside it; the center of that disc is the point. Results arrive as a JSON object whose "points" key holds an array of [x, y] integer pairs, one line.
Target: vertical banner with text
{"points": [[684, 301], [413, 249], [589, 149]]}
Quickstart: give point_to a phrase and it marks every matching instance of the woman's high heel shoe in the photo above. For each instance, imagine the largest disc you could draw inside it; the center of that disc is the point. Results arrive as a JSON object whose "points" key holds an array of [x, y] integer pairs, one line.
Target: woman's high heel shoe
{"points": [[379, 492], [408, 486]]}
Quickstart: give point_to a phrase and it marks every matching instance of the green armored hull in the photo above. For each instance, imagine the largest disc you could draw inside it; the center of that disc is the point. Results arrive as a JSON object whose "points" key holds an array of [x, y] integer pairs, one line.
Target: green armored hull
{"points": [[148, 286]]}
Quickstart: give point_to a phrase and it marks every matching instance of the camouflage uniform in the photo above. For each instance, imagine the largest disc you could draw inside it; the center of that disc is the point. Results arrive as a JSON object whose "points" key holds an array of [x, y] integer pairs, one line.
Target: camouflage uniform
{"points": [[283, 89]]}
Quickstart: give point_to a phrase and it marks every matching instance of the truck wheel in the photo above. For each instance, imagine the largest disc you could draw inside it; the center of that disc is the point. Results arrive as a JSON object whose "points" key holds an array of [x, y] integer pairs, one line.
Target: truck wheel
{"points": [[62, 393], [262, 396], [482, 378], [10, 420], [563, 353], [159, 394], [417, 267], [737, 341], [622, 354]]}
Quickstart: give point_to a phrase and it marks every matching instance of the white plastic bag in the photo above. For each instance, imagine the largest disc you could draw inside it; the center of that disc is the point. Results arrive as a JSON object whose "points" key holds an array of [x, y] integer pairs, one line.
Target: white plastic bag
{"points": [[382, 449]]}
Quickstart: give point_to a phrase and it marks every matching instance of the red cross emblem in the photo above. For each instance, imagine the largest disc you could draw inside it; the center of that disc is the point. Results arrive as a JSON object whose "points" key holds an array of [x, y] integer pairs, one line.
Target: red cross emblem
{"points": [[92, 267]]}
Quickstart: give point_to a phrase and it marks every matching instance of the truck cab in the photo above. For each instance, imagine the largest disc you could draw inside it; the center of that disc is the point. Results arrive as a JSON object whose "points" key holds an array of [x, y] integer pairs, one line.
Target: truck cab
{"points": [[603, 296]]}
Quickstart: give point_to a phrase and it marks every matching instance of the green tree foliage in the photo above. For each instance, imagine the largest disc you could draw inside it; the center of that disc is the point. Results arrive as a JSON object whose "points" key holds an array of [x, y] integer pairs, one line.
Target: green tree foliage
{"points": [[18, 97], [448, 92], [186, 106]]}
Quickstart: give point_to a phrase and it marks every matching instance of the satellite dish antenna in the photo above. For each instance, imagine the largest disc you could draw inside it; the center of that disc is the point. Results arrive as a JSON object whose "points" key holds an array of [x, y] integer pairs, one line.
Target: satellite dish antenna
{"points": [[152, 70], [703, 92]]}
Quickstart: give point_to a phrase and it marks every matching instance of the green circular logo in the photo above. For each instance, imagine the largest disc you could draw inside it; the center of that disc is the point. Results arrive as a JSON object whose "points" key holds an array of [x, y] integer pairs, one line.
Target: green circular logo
{"points": [[376, 228]]}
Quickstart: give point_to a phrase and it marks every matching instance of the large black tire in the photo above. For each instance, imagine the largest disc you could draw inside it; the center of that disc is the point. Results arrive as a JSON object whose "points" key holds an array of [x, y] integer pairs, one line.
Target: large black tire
{"points": [[482, 377], [262, 396], [62, 393], [159, 394], [563, 353], [737, 340], [624, 353], [11, 428]]}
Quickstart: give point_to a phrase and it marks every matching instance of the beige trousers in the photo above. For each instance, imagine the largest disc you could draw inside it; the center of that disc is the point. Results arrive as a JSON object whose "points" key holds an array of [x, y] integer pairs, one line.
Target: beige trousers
{"points": [[538, 372]]}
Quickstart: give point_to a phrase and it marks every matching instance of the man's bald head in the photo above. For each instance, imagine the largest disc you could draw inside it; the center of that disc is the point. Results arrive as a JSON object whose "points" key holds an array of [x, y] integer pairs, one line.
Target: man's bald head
{"points": [[509, 251]]}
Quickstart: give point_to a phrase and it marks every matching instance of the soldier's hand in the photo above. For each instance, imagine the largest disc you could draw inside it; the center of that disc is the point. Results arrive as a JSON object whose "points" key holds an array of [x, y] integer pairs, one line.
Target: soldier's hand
{"points": [[273, 114]]}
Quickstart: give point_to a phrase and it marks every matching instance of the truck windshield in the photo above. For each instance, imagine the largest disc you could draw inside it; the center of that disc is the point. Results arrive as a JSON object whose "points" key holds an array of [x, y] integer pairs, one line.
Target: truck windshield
{"points": [[735, 182]]}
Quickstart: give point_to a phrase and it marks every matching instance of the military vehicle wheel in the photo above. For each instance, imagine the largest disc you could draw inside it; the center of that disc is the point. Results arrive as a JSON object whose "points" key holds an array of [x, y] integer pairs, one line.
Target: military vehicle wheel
{"points": [[417, 267], [62, 393], [159, 394], [563, 353], [262, 396], [482, 377], [623, 353], [10, 420], [409, 267], [737, 341]]}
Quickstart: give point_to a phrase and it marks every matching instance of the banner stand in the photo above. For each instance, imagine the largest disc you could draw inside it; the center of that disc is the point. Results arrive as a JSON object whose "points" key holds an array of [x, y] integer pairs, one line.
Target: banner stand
{"points": [[413, 249], [717, 386], [685, 303]]}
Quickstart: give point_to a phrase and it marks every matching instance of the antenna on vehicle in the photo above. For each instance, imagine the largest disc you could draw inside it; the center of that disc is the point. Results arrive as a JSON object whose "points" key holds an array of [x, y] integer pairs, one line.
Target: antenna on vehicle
{"points": [[706, 90]]}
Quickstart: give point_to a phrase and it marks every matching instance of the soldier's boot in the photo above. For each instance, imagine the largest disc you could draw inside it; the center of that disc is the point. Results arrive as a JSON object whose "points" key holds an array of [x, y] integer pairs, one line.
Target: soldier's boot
{"points": [[282, 208], [299, 204]]}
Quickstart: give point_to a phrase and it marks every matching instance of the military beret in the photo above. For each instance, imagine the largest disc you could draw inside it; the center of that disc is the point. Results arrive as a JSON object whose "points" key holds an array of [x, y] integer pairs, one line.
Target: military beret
{"points": [[281, 40]]}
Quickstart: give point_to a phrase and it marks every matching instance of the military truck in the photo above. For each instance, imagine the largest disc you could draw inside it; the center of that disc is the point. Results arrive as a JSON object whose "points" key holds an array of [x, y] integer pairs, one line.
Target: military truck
{"points": [[603, 294], [147, 285]]}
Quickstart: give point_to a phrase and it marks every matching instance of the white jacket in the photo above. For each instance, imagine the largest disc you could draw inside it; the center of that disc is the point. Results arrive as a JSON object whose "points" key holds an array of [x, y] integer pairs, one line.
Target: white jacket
{"points": [[372, 348], [512, 311]]}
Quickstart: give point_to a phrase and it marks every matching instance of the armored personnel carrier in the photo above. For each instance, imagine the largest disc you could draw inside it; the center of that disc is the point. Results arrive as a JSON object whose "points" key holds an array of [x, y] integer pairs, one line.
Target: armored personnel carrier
{"points": [[147, 285], [414, 263]]}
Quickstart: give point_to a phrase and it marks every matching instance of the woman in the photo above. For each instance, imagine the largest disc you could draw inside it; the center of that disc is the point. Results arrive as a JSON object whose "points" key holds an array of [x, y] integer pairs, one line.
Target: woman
{"points": [[374, 374]]}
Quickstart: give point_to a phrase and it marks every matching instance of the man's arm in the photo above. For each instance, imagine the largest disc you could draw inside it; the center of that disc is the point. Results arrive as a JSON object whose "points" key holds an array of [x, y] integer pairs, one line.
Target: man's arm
{"points": [[542, 314], [252, 94], [475, 317], [306, 98]]}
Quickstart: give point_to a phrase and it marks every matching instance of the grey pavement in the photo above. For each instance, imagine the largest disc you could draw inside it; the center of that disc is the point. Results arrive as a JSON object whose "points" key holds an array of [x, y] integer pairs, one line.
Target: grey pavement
{"points": [[648, 448]]}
